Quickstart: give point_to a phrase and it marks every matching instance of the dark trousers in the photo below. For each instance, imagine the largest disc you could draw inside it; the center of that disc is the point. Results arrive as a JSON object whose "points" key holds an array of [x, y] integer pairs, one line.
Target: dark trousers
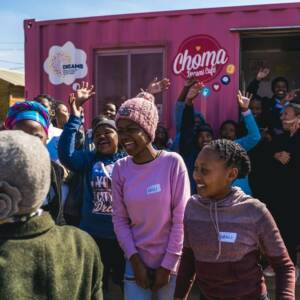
{"points": [[113, 261]]}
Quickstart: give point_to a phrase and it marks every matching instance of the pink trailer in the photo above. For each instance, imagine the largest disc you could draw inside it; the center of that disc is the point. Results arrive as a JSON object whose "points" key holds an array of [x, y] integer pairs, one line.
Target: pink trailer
{"points": [[119, 54]]}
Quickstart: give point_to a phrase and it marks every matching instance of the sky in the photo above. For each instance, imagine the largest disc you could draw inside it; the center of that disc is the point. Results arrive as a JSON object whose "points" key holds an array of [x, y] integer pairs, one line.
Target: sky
{"points": [[13, 12]]}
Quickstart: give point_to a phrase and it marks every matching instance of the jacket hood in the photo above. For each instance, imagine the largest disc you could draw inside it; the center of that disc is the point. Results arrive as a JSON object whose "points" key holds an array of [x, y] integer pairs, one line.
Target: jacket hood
{"points": [[234, 198]]}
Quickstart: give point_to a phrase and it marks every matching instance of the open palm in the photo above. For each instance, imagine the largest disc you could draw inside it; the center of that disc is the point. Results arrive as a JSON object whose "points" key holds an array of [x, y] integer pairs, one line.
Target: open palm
{"points": [[84, 93]]}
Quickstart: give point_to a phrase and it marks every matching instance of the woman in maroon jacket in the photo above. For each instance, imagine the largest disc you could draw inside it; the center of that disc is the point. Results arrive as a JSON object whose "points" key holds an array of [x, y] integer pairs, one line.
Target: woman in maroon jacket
{"points": [[227, 230]]}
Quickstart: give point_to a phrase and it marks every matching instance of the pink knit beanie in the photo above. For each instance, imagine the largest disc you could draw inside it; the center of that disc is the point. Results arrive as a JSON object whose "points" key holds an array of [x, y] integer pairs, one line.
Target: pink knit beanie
{"points": [[142, 111]]}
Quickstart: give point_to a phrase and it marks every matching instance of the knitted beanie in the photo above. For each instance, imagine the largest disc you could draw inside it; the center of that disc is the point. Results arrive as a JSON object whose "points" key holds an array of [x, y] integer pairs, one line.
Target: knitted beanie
{"points": [[142, 111], [24, 173]]}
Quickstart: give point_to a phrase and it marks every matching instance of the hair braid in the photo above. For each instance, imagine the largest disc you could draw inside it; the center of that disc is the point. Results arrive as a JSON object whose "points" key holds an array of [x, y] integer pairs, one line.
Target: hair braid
{"points": [[233, 154]]}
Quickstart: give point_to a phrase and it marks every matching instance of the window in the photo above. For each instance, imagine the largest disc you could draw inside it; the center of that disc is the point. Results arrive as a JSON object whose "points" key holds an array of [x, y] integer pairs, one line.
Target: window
{"points": [[121, 74], [278, 50]]}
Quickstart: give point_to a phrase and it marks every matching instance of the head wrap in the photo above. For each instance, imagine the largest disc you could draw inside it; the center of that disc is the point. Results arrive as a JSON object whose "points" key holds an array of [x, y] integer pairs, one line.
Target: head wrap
{"points": [[28, 110]]}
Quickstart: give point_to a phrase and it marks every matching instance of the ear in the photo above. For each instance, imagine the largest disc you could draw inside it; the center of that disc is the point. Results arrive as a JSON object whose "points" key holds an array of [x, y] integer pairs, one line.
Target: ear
{"points": [[233, 174]]}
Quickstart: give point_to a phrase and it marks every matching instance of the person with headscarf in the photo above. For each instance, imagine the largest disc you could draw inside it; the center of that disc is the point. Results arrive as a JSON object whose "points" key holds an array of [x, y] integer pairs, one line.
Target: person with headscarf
{"points": [[33, 118], [38, 259]]}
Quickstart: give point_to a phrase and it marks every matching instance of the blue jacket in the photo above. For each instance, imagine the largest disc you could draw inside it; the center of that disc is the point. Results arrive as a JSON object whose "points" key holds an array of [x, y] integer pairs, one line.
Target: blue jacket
{"points": [[189, 150], [96, 212], [248, 142]]}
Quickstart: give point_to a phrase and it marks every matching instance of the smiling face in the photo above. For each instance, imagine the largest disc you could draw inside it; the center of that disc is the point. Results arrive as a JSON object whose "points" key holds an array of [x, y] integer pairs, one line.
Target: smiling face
{"points": [[212, 176], [203, 138], [110, 111], [132, 137], [105, 139], [280, 90], [33, 128], [289, 118]]}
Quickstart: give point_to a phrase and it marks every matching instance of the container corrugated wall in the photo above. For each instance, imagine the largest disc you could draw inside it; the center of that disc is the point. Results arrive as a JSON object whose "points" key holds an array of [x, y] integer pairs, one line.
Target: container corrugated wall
{"points": [[164, 29]]}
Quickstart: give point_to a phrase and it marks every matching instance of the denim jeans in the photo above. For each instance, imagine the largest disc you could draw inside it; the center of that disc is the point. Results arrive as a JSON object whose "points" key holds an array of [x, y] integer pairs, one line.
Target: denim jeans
{"points": [[133, 291]]}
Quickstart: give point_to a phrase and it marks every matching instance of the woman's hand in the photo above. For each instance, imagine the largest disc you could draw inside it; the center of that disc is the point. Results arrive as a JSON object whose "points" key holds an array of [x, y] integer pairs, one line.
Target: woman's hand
{"points": [[140, 272], [162, 278], [262, 73], [244, 100], [156, 87], [84, 93], [283, 157], [194, 92]]}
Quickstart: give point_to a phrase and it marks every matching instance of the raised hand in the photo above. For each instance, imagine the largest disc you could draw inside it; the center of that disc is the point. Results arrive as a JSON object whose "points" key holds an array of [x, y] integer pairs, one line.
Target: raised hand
{"points": [[194, 92], [244, 100], [262, 73], [291, 95], [156, 86], [84, 93], [75, 109]]}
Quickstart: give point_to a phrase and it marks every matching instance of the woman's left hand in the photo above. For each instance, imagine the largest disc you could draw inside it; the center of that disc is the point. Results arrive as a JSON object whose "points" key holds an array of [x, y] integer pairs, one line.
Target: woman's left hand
{"points": [[162, 278]]}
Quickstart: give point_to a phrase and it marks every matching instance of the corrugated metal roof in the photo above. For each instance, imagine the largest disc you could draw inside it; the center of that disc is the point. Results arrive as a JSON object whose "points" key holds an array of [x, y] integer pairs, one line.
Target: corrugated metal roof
{"points": [[16, 78]]}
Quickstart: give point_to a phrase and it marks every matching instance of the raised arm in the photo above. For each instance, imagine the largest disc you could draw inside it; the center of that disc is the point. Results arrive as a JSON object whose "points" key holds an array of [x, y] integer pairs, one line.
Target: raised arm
{"points": [[73, 159], [188, 121], [253, 136], [254, 84]]}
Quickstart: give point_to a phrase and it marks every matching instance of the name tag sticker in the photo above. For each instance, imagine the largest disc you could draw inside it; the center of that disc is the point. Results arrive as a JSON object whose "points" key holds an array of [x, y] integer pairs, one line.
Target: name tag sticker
{"points": [[153, 189], [227, 237]]}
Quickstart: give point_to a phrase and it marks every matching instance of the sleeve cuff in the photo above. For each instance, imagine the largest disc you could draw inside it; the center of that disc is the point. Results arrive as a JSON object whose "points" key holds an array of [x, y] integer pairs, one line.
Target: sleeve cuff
{"points": [[246, 113], [170, 262], [130, 251]]}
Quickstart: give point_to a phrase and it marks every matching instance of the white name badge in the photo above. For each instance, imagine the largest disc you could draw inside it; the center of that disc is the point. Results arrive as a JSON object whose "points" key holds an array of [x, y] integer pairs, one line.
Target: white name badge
{"points": [[153, 189], [227, 237]]}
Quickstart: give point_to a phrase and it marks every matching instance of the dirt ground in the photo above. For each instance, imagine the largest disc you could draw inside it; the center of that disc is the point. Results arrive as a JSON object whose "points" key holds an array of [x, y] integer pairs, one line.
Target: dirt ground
{"points": [[116, 294]]}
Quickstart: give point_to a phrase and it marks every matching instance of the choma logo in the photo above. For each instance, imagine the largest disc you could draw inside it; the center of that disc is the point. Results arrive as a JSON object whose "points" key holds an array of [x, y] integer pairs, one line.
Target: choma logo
{"points": [[200, 56], [65, 64]]}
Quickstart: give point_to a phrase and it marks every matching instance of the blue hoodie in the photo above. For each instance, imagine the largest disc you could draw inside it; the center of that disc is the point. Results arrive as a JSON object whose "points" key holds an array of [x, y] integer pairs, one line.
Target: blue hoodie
{"points": [[96, 212], [189, 150]]}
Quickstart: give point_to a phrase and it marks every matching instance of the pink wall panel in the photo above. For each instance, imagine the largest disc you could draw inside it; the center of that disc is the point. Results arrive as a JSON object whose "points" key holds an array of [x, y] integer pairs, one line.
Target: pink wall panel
{"points": [[163, 29]]}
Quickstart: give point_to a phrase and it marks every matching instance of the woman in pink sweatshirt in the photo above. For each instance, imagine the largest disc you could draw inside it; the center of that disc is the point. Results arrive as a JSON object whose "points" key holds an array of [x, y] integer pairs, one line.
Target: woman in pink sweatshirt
{"points": [[150, 191], [226, 231]]}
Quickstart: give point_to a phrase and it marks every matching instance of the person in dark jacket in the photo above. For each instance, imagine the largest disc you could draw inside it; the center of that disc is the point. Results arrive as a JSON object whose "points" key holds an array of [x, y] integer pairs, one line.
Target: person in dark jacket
{"points": [[274, 106], [38, 259], [33, 118], [285, 173]]}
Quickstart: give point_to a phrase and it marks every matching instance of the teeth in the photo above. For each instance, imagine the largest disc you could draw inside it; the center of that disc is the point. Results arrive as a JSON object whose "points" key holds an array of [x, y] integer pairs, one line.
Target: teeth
{"points": [[200, 185], [130, 143]]}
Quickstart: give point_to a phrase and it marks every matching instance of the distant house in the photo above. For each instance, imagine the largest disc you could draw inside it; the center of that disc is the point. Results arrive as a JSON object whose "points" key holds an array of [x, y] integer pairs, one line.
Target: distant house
{"points": [[12, 85]]}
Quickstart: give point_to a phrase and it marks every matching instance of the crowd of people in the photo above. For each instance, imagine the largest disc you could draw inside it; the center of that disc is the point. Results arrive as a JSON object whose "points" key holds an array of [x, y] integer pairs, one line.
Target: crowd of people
{"points": [[153, 214]]}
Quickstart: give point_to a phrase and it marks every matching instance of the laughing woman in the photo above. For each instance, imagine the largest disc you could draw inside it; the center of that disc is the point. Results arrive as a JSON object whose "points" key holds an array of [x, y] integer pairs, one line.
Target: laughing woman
{"points": [[150, 191], [96, 168]]}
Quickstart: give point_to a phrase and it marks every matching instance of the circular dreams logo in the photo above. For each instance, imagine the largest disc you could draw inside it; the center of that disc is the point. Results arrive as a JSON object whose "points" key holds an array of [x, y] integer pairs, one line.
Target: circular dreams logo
{"points": [[65, 64], [200, 56]]}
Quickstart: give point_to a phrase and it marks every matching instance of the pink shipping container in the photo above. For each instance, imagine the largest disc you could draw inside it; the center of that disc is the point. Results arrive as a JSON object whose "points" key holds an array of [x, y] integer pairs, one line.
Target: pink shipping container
{"points": [[224, 47]]}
